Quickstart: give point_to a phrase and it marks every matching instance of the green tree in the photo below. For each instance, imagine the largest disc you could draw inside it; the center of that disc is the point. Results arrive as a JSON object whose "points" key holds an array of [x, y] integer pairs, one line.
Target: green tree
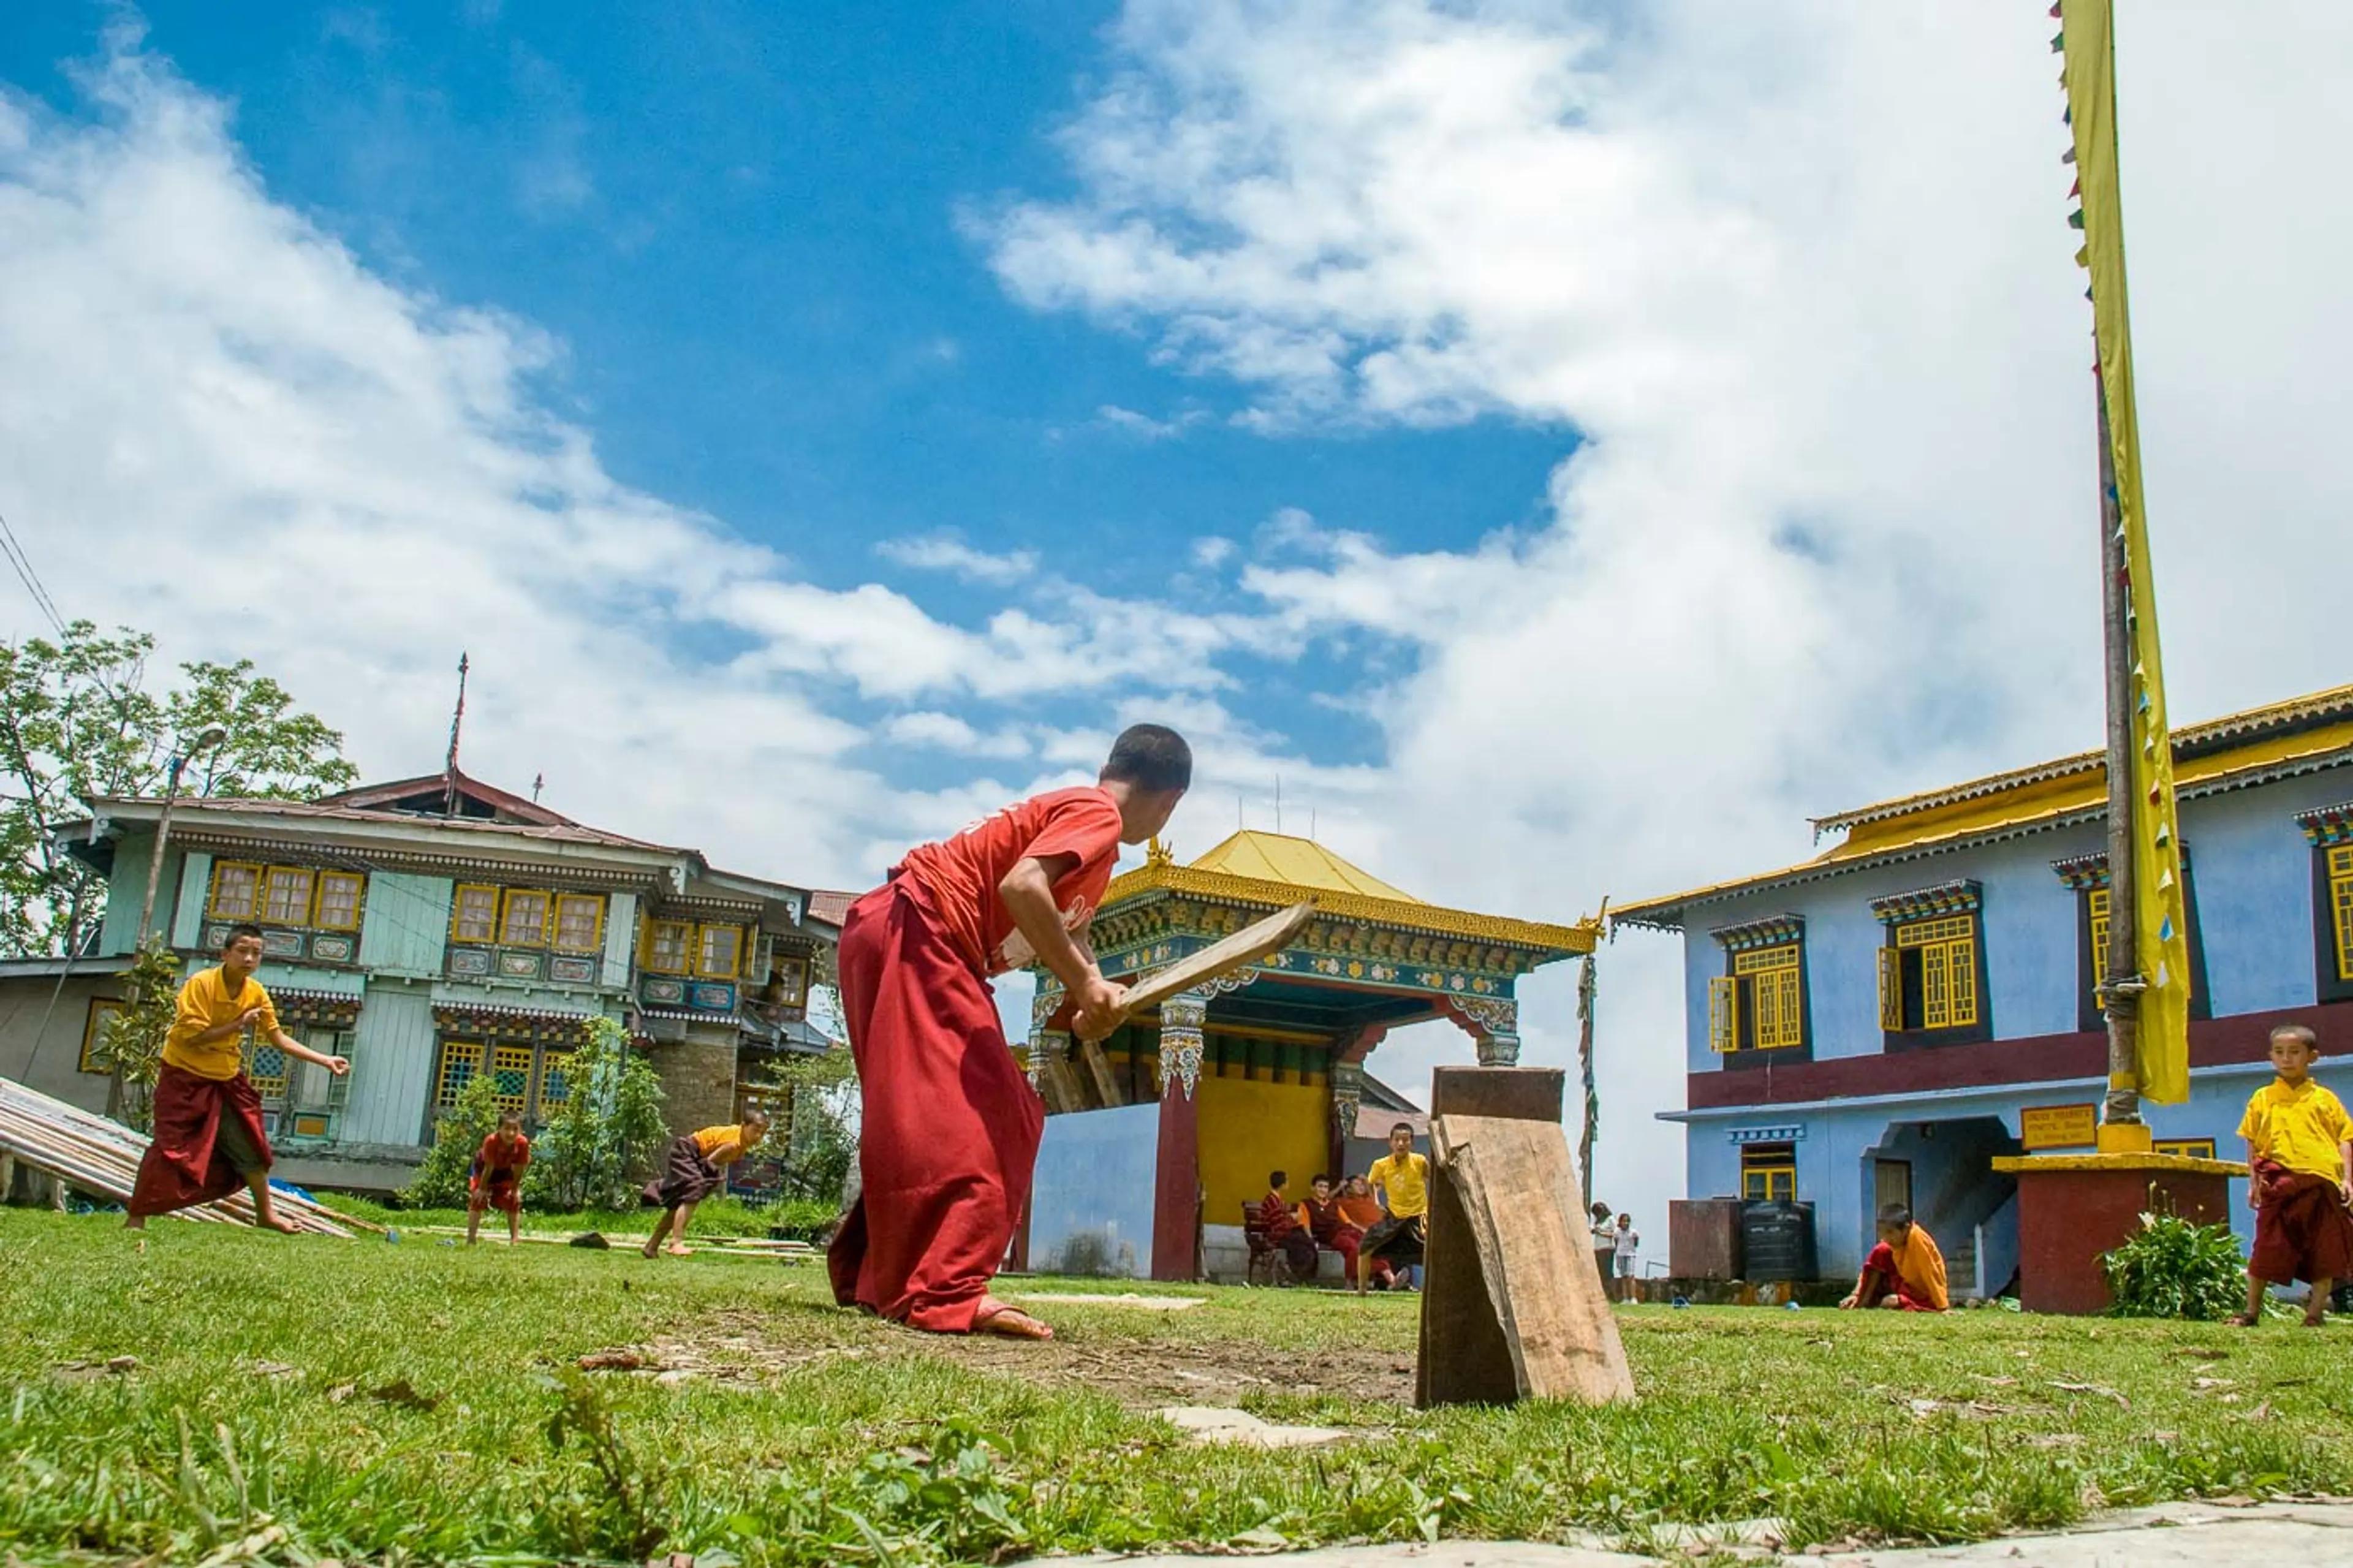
{"points": [[595, 1152], [440, 1179], [77, 720], [132, 1044], [820, 1139]]}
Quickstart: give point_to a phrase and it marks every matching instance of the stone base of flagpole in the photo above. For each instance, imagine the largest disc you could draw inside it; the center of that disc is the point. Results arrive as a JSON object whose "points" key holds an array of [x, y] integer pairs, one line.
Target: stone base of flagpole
{"points": [[2072, 1208]]}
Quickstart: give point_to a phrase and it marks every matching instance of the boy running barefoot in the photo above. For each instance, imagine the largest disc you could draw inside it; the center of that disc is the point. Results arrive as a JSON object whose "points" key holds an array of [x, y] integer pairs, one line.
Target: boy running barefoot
{"points": [[695, 1168], [209, 1134], [2300, 1180], [496, 1180], [949, 1127]]}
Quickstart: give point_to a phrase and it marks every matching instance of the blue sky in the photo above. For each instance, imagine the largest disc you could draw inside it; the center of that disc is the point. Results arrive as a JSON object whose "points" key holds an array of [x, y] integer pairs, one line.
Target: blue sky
{"points": [[1567, 456], [750, 227]]}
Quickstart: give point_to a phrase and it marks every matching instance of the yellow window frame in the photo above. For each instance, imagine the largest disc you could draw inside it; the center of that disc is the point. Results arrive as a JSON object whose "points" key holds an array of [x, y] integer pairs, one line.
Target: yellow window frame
{"points": [[1776, 976], [554, 1083], [268, 1085], [1768, 1182], [216, 909], [703, 967], [2189, 1148], [650, 957], [1723, 1015], [458, 931], [1948, 972], [359, 900], [2340, 905], [448, 1083], [511, 1063], [269, 902], [596, 942], [506, 917], [2096, 905]]}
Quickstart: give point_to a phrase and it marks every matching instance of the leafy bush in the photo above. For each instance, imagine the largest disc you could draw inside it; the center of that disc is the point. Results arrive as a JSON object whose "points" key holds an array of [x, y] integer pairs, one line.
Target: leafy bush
{"points": [[440, 1178], [2172, 1268]]}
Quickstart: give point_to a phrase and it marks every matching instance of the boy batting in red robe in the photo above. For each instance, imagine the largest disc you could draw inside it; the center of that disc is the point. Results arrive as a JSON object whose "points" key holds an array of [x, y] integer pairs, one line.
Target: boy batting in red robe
{"points": [[950, 1127], [209, 1139]]}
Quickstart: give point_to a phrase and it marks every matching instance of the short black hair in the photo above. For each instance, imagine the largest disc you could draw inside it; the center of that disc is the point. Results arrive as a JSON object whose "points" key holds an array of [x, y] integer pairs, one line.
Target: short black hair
{"points": [[240, 931], [1150, 756], [510, 1119], [1895, 1217], [1322, 1178], [2298, 1032], [1404, 1127], [1277, 1178]]}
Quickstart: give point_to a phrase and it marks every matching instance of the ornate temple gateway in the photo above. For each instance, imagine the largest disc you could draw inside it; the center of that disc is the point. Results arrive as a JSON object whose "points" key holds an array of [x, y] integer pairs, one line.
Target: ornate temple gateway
{"points": [[1171, 1124]]}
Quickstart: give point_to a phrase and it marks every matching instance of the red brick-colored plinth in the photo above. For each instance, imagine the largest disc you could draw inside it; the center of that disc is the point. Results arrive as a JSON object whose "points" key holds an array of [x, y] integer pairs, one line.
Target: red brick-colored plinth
{"points": [[2073, 1208]]}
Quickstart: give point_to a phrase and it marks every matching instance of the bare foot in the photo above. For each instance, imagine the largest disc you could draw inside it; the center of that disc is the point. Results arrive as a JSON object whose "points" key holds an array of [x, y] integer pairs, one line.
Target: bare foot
{"points": [[648, 1250], [675, 1250], [281, 1225], [136, 1222], [996, 1317]]}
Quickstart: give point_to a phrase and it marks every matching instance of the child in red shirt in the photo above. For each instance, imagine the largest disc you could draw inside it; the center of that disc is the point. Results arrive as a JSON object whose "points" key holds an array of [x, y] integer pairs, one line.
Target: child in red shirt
{"points": [[949, 1127], [496, 1180]]}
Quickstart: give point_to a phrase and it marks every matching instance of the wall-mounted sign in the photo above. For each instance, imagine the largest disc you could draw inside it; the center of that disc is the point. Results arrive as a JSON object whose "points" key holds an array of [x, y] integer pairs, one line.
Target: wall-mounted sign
{"points": [[2059, 1126]]}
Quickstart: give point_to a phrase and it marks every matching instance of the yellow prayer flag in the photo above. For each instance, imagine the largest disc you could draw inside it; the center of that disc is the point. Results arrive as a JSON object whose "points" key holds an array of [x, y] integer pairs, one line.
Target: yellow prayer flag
{"points": [[2087, 38]]}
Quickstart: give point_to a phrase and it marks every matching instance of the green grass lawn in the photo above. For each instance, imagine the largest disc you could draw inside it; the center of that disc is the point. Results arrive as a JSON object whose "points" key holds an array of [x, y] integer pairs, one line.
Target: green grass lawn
{"points": [[421, 1402]]}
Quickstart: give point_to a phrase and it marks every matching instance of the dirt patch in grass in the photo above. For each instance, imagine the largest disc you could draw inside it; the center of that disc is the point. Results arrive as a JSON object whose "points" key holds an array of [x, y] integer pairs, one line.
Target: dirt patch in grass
{"points": [[1140, 1373]]}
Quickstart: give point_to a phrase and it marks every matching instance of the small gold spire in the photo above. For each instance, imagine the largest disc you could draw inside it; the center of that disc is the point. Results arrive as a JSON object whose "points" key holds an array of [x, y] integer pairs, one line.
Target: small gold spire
{"points": [[1156, 853]]}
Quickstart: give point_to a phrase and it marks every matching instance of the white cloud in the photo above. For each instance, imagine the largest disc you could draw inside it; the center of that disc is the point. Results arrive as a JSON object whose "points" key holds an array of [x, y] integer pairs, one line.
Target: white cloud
{"points": [[1143, 427], [1799, 277], [934, 731], [943, 553], [222, 426]]}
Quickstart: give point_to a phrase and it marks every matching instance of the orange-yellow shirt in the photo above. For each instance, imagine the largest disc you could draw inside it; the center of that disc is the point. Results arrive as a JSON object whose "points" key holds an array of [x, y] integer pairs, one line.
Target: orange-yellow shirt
{"points": [[1921, 1262], [205, 1004], [2301, 1127], [1406, 1181], [721, 1145]]}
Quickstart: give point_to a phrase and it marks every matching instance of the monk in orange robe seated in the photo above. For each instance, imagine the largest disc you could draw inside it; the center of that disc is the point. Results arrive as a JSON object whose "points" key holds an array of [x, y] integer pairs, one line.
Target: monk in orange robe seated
{"points": [[1904, 1272]]}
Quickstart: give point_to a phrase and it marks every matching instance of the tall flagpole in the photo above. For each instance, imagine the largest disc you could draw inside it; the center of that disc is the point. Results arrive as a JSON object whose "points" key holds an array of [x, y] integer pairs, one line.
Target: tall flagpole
{"points": [[2119, 990]]}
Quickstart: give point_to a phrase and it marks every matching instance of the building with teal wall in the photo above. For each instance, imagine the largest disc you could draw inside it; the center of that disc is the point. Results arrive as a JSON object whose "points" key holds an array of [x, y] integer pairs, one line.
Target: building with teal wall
{"points": [[432, 930]]}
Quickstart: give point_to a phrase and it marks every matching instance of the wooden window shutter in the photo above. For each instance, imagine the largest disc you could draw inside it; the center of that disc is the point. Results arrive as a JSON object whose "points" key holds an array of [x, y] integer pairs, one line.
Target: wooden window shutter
{"points": [[1891, 990], [1724, 1014]]}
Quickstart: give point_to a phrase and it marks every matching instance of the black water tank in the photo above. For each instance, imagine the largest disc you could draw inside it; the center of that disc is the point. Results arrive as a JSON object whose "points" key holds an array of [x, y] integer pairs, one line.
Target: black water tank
{"points": [[1776, 1241]]}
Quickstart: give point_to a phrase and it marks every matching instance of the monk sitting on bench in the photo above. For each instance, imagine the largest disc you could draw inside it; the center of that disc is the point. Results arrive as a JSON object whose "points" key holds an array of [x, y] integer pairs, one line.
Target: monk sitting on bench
{"points": [[1904, 1272], [1283, 1231]]}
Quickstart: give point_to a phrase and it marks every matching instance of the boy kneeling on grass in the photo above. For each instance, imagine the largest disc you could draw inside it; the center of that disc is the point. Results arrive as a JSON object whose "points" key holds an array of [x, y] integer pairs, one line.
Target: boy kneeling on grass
{"points": [[695, 1168], [496, 1180], [1906, 1272], [2300, 1168]]}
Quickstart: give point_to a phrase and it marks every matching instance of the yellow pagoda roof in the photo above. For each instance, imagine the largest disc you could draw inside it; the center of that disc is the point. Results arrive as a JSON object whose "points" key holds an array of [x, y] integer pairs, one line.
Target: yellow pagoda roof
{"points": [[1276, 870], [1300, 862], [2302, 735]]}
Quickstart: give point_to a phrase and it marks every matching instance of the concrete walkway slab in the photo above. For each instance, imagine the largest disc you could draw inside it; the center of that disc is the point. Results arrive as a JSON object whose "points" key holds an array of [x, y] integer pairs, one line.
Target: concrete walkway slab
{"points": [[2308, 1535], [2177, 1535]]}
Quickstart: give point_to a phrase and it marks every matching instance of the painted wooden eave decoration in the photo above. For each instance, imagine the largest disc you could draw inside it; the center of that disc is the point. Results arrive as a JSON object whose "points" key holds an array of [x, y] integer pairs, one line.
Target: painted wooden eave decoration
{"points": [[2304, 735], [1272, 870]]}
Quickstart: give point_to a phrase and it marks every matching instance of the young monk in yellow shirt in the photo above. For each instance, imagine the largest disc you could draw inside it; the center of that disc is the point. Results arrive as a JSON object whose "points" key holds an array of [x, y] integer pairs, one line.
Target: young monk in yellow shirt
{"points": [[696, 1168], [1402, 1180], [2300, 1182], [209, 1137]]}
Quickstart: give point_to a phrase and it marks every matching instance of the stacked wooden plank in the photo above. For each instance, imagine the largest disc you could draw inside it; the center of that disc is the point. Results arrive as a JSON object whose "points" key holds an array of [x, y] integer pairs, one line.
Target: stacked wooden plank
{"points": [[101, 1158]]}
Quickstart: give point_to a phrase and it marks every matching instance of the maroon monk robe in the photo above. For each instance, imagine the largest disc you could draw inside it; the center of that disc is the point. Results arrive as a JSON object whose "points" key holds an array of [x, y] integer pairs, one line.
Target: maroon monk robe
{"points": [[187, 1163], [951, 1126]]}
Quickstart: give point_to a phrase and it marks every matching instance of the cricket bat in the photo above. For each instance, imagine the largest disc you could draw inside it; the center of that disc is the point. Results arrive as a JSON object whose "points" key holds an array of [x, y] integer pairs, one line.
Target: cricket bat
{"points": [[1239, 950]]}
